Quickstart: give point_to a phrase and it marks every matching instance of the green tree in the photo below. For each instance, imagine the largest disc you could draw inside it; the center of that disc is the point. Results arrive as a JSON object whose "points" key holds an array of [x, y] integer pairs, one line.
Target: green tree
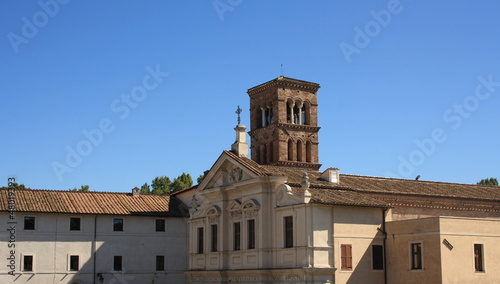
{"points": [[83, 188], [145, 188], [200, 178], [16, 186], [181, 182], [161, 185], [488, 181]]}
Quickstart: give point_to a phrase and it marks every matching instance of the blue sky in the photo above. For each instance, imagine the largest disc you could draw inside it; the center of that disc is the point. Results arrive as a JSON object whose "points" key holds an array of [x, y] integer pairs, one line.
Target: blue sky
{"points": [[149, 88]]}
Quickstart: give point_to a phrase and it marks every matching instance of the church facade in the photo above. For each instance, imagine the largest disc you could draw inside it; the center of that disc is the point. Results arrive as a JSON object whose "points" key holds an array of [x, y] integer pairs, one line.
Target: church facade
{"points": [[268, 215]]}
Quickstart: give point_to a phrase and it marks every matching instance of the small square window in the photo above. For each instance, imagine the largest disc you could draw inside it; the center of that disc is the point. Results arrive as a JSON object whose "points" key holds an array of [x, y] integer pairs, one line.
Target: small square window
{"points": [[118, 225], [74, 263], [117, 263], [29, 223], [160, 263], [74, 224], [160, 225], [28, 263]]}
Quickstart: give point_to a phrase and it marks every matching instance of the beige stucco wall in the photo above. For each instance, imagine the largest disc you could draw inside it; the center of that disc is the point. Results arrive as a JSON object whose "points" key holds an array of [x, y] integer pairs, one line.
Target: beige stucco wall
{"points": [[51, 244], [357, 226], [440, 263]]}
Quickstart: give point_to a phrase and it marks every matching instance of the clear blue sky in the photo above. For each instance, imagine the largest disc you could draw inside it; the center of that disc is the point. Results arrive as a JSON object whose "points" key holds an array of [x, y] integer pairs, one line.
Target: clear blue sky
{"points": [[394, 75]]}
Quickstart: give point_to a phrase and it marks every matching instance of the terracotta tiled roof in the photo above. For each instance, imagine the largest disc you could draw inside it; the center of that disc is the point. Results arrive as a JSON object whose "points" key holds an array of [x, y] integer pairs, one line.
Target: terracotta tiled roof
{"points": [[106, 203], [374, 185], [420, 188]]}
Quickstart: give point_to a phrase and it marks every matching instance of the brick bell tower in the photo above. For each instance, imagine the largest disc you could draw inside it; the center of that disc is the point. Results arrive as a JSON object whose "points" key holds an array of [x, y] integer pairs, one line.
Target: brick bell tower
{"points": [[284, 123]]}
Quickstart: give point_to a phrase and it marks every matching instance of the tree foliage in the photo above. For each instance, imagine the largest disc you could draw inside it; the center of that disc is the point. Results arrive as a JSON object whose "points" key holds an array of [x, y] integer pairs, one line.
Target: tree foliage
{"points": [[200, 178], [83, 188], [161, 185], [15, 186], [145, 188], [488, 181], [181, 182]]}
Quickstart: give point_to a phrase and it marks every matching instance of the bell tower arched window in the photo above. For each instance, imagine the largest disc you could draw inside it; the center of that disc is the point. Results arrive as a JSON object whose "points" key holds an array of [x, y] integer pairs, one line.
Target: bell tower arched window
{"points": [[299, 151], [290, 150], [308, 151]]}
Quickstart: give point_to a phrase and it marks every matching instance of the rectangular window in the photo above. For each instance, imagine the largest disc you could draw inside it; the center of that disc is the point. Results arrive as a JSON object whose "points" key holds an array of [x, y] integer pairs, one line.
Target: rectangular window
{"points": [[117, 263], [237, 236], [160, 225], [288, 232], [118, 225], [346, 256], [74, 263], [478, 258], [377, 257], [416, 256], [28, 263], [160, 263], [214, 238], [251, 234], [29, 223], [74, 224], [200, 240]]}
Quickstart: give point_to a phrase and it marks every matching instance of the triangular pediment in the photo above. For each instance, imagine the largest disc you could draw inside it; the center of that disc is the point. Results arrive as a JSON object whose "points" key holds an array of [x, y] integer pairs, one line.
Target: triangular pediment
{"points": [[225, 172]]}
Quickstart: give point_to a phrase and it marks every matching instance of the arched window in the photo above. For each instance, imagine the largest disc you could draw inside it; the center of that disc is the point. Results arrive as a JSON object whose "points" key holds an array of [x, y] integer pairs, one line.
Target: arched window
{"points": [[299, 151], [308, 151], [289, 111], [290, 150], [307, 113]]}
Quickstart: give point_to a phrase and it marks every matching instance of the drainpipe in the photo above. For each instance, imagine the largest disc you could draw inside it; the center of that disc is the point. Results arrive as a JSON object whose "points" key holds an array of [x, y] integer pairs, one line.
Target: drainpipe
{"points": [[385, 238], [94, 246]]}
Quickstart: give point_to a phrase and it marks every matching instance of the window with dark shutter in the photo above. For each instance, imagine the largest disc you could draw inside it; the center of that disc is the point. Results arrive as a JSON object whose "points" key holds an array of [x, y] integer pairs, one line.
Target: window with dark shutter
{"points": [[346, 256], [251, 234], [28, 263], [160, 225], [74, 263], [214, 238], [377, 257], [288, 231], [117, 263], [200, 240], [74, 224], [160, 263], [237, 236]]}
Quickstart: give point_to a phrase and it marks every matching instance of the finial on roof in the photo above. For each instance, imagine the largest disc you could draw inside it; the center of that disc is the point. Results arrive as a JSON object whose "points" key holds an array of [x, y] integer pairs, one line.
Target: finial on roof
{"points": [[281, 70], [305, 181], [238, 111]]}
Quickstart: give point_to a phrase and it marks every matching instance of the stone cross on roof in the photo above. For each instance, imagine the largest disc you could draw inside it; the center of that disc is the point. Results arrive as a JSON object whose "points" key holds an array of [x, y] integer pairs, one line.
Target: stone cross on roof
{"points": [[238, 111]]}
